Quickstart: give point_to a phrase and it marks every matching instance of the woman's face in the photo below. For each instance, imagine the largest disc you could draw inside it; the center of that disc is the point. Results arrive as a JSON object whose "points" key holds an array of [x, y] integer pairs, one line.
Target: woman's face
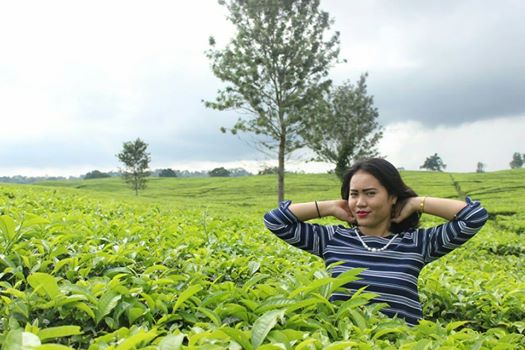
{"points": [[370, 203]]}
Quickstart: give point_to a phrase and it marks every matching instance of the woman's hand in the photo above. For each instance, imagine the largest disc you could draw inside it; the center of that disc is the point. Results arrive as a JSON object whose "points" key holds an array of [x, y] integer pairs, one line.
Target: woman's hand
{"points": [[337, 208], [403, 209], [442, 207], [341, 211]]}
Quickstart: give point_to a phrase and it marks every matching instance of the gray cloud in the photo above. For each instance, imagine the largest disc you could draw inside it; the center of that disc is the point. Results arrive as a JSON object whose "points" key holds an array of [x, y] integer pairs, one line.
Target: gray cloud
{"points": [[465, 60]]}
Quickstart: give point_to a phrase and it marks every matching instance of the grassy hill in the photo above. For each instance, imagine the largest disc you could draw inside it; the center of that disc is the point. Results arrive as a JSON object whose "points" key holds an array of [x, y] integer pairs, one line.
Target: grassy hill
{"points": [[251, 192]]}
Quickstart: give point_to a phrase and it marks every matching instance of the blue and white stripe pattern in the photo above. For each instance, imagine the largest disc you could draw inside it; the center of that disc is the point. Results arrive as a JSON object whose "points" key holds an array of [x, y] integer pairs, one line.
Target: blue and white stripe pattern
{"points": [[391, 273]]}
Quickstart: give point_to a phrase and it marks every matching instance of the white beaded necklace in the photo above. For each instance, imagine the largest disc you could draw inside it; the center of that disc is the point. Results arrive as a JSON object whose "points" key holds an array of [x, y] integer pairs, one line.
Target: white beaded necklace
{"points": [[374, 249]]}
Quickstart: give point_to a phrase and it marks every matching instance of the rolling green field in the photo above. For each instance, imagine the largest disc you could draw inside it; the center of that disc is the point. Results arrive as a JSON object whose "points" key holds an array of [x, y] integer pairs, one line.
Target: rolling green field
{"points": [[188, 264]]}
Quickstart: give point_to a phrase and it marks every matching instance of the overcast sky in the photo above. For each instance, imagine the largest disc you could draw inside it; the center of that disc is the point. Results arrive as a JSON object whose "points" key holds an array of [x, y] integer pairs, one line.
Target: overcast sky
{"points": [[77, 79]]}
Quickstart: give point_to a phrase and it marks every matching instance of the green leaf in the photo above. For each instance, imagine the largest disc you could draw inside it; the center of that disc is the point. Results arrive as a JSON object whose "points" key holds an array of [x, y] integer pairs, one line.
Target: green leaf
{"points": [[211, 315], [306, 303], [357, 299], [358, 318], [341, 345], [307, 343], [135, 312], [453, 325], [345, 278], [423, 344], [231, 309], [270, 347], [171, 342], [254, 280], [134, 340], [58, 332], [342, 279], [312, 286], [188, 293], [83, 307], [387, 329], [253, 266], [32, 220], [53, 347], [107, 302], [8, 227], [264, 324], [238, 336], [149, 300], [19, 340], [45, 284], [274, 303], [155, 268]]}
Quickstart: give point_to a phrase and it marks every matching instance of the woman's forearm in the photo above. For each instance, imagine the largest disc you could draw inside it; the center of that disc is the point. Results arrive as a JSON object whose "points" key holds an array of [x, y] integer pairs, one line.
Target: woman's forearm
{"points": [[337, 208], [308, 211], [442, 207]]}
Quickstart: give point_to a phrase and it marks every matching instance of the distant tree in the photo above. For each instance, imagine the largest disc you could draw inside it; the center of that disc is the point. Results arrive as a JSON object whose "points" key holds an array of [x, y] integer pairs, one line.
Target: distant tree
{"points": [[517, 160], [187, 173], [272, 170], [236, 172], [136, 161], [480, 167], [167, 173], [219, 172], [347, 128], [95, 174], [433, 163], [276, 69]]}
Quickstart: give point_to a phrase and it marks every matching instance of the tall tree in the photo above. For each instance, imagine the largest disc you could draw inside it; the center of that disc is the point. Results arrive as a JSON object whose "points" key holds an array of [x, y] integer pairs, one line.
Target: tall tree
{"points": [[433, 163], [346, 128], [480, 167], [276, 69], [517, 160], [136, 161]]}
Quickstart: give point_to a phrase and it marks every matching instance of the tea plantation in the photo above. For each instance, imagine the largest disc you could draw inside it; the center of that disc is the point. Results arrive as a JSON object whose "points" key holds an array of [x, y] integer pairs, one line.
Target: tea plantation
{"points": [[189, 265]]}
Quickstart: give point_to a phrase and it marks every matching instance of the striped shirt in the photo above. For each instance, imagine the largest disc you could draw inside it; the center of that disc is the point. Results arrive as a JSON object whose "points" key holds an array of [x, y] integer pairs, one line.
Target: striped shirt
{"points": [[391, 273]]}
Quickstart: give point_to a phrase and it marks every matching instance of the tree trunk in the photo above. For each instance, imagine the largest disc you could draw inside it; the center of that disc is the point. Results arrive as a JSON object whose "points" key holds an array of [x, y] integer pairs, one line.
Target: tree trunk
{"points": [[342, 164], [280, 169]]}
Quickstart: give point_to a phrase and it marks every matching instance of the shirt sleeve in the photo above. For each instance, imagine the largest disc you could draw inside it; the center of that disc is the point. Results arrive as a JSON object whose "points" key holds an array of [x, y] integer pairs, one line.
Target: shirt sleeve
{"points": [[285, 225], [442, 239]]}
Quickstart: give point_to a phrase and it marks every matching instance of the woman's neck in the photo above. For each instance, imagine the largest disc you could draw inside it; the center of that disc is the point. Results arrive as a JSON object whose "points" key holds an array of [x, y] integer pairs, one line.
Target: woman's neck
{"points": [[383, 232]]}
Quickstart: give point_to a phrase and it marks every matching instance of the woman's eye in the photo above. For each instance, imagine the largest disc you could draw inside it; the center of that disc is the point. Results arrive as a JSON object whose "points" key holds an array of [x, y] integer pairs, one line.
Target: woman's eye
{"points": [[370, 194], [353, 195]]}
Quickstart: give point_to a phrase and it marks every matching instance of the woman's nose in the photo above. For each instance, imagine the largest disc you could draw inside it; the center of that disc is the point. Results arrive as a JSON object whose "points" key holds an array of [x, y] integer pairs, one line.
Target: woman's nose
{"points": [[360, 201]]}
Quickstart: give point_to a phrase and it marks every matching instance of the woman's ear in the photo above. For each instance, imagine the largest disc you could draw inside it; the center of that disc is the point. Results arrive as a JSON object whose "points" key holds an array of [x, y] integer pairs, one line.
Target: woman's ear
{"points": [[394, 200]]}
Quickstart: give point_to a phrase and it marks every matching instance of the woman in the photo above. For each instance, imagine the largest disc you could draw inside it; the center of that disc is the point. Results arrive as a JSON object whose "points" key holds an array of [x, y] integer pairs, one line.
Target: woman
{"points": [[384, 237]]}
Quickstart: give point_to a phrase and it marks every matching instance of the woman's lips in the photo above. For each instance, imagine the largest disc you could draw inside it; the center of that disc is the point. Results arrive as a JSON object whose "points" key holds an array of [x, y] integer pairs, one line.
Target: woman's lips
{"points": [[362, 214]]}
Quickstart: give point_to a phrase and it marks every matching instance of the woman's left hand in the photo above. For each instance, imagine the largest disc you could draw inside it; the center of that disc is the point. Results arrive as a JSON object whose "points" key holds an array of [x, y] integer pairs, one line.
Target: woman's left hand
{"points": [[405, 208]]}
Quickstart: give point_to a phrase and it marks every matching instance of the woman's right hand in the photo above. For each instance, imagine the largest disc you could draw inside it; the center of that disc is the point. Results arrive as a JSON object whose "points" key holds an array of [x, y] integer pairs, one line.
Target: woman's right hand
{"points": [[341, 211]]}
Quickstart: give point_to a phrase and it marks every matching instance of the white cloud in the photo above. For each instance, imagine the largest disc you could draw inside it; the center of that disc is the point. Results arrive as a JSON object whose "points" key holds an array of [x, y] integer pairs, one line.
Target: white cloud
{"points": [[491, 142]]}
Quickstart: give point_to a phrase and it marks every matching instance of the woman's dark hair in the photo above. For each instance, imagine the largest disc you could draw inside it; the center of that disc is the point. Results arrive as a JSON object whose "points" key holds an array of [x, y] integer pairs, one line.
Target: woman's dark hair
{"points": [[390, 178]]}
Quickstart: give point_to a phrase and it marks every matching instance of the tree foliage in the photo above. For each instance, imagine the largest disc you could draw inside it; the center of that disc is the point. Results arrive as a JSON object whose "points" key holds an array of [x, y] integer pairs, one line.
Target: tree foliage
{"points": [[136, 161], [517, 160], [167, 173], [275, 69], [433, 163], [480, 168], [219, 172], [95, 174], [271, 170], [346, 129]]}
